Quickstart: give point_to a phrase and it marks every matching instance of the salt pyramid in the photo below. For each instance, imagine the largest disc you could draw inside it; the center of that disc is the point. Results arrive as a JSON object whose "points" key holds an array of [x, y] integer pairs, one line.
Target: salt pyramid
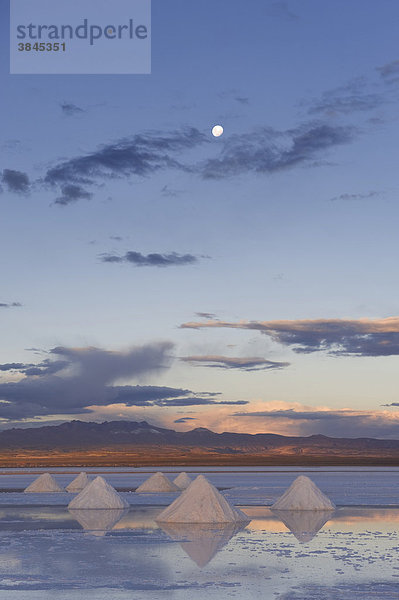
{"points": [[98, 494], [182, 481], [304, 524], [201, 503], [45, 483], [157, 483], [201, 541], [98, 521], [303, 494], [78, 484]]}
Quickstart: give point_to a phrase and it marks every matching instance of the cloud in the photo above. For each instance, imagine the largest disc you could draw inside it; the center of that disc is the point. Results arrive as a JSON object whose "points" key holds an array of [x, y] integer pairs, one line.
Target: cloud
{"points": [[137, 259], [185, 419], [195, 401], [242, 100], [280, 10], [349, 98], [242, 364], [74, 378], [12, 366], [361, 337], [358, 196], [206, 315], [389, 70], [10, 304], [268, 151], [168, 192], [73, 381], [71, 110], [15, 181], [343, 422], [72, 193], [140, 155]]}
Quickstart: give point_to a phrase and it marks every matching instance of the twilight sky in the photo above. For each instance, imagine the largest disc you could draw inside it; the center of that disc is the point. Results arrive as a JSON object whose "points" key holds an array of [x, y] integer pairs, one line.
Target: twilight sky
{"points": [[244, 283]]}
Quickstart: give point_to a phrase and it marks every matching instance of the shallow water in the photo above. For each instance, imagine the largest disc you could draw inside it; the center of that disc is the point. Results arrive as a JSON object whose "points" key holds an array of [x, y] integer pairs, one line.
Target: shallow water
{"points": [[350, 554]]}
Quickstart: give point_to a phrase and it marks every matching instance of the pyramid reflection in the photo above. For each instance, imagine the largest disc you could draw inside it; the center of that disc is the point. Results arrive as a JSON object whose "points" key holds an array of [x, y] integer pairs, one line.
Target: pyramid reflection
{"points": [[202, 541], [304, 524], [97, 521]]}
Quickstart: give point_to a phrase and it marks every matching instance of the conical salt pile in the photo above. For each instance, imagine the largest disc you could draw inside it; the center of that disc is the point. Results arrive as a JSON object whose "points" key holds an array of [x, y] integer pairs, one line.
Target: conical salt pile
{"points": [[78, 484], [44, 484], [182, 481], [157, 483], [98, 494], [201, 503], [303, 494]]}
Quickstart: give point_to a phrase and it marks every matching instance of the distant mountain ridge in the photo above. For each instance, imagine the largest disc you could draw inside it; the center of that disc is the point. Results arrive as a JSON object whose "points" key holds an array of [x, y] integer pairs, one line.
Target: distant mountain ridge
{"points": [[81, 435]]}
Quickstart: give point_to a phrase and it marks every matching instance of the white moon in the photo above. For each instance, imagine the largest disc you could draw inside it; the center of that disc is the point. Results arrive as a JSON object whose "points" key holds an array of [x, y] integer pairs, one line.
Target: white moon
{"points": [[217, 130]]}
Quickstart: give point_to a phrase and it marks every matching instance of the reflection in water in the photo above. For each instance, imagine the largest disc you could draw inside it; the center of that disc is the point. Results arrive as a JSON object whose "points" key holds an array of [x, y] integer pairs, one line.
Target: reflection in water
{"points": [[202, 541], [304, 524], [97, 521]]}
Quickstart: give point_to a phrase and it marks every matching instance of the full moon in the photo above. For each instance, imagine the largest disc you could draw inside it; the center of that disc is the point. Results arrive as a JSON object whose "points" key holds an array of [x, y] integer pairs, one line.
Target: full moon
{"points": [[217, 131]]}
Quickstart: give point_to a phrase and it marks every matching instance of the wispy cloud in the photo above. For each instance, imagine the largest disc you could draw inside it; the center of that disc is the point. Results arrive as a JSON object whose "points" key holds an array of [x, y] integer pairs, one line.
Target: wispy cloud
{"points": [[280, 10], [172, 259], [389, 71], [235, 363], [268, 150], [351, 97], [358, 337], [358, 196], [10, 304], [72, 193]]}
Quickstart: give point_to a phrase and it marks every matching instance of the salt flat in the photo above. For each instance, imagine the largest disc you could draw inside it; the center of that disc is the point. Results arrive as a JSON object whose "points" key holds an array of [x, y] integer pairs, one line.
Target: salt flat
{"points": [[350, 554]]}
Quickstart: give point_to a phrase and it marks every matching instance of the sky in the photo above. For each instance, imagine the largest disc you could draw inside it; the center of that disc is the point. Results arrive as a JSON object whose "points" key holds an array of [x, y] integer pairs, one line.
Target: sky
{"points": [[150, 271]]}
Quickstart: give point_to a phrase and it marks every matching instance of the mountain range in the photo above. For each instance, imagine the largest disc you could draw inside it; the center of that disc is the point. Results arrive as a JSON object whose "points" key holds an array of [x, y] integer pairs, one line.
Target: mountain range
{"points": [[140, 443]]}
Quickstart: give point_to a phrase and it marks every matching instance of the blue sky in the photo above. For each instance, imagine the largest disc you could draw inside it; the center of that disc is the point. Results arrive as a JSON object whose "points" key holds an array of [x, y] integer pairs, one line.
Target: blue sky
{"points": [[122, 218]]}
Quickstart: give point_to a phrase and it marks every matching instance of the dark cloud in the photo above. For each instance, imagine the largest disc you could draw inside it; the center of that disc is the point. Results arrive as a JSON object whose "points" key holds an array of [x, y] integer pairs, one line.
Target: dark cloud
{"points": [[172, 259], [205, 315], [10, 304], [74, 378], [346, 99], [72, 193], [116, 238], [358, 196], [195, 401], [184, 419], [15, 181], [140, 155], [12, 366], [361, 337], [268, 151], [336, 423], [236, 363], [71, 110]]}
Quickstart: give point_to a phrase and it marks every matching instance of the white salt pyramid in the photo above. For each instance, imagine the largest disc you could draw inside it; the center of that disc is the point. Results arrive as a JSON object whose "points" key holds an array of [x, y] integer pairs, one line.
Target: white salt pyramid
{"points": [[182, 481], [78, 484], [157, 483], [304, 524], [98, 494], [303, 494], [44, 484], [201, 503]]}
